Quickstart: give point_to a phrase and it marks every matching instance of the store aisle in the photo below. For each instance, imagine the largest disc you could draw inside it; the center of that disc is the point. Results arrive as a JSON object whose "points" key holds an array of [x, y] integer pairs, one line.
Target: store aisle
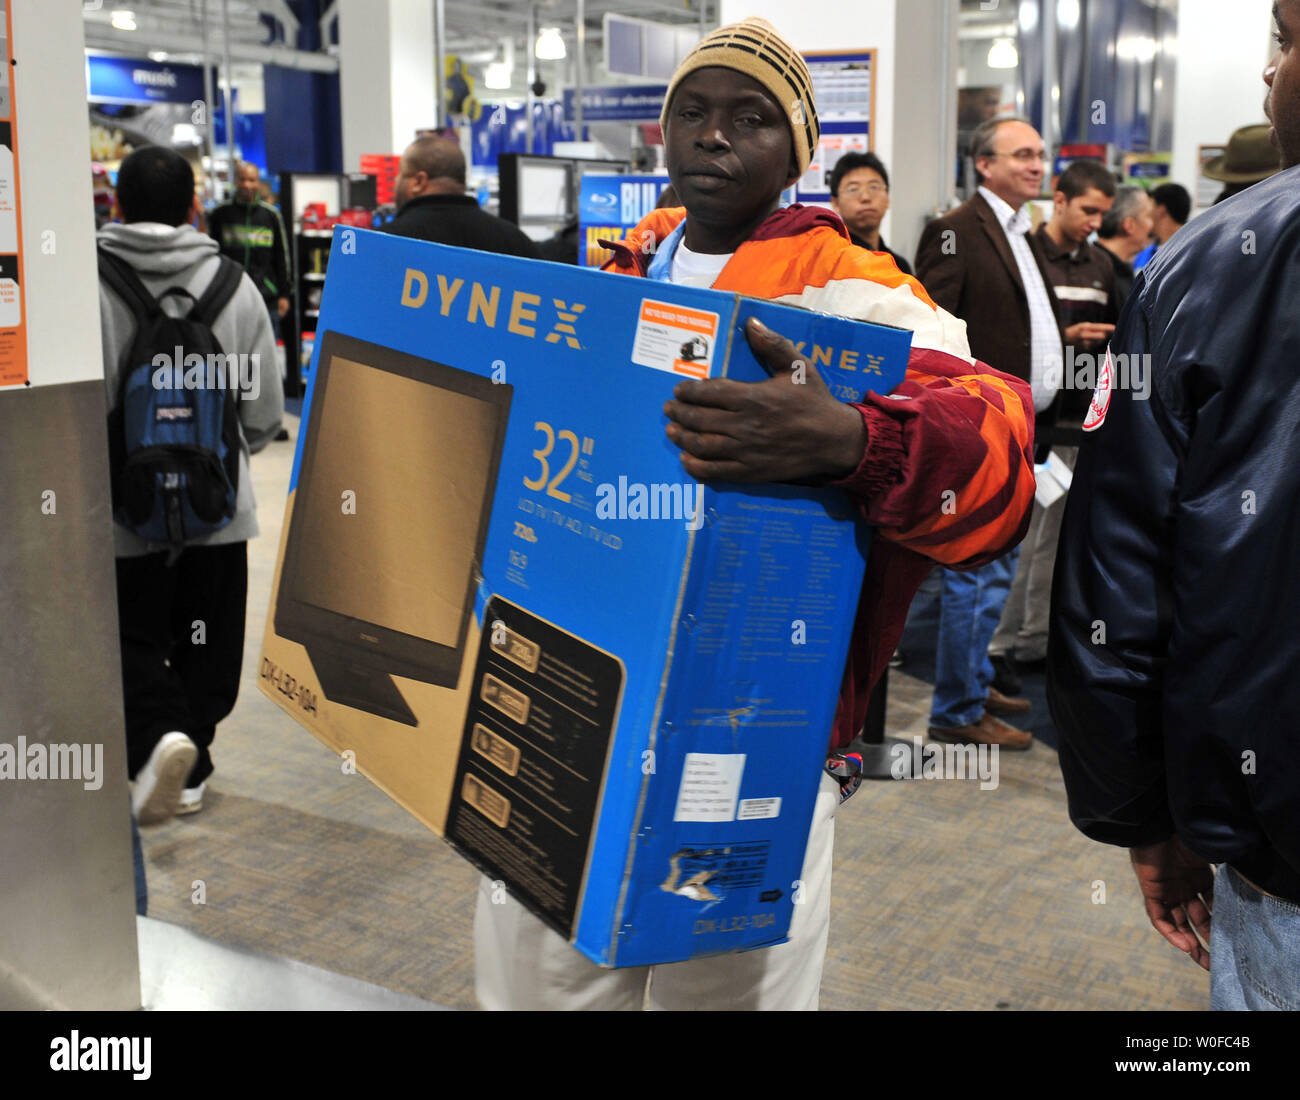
{"points": [[946, 896]]}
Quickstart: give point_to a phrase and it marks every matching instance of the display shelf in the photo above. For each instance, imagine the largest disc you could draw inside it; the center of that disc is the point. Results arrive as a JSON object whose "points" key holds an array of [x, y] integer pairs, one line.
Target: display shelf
{"points": [[311, 196]]}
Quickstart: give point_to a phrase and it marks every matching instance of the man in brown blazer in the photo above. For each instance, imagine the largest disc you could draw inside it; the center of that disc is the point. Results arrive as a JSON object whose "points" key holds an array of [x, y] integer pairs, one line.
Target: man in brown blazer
{"points": [[981, 263]]}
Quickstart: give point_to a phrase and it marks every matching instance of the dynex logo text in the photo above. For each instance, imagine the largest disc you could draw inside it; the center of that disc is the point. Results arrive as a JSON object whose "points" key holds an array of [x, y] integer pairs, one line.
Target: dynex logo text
{"points": [[482, 305], [848, 358]]}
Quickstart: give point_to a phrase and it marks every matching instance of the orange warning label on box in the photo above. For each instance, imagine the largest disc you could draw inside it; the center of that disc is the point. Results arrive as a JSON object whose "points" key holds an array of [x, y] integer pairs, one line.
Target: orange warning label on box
{"points": [[675, 338]]}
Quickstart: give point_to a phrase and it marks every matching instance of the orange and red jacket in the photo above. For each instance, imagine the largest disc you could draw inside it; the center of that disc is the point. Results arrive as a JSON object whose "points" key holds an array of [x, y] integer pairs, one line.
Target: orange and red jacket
{"points": [[947, 475]]}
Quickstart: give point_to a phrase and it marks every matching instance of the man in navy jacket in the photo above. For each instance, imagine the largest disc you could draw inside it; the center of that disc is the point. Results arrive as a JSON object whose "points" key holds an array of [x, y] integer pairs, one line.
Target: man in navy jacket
{"points": [[1173, 651]]}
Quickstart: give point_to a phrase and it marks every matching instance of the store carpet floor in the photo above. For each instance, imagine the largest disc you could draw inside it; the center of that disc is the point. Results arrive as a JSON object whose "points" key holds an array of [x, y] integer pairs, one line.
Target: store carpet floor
{"points": [[946, 896]]}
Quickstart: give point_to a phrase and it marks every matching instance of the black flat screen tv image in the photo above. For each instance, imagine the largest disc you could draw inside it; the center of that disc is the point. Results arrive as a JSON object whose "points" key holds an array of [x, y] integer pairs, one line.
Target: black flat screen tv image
{"points": [[390, 517]]}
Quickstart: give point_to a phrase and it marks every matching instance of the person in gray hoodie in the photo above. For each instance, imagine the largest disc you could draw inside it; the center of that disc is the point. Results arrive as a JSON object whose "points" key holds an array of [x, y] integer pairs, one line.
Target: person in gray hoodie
{"points": [[181, 617]]}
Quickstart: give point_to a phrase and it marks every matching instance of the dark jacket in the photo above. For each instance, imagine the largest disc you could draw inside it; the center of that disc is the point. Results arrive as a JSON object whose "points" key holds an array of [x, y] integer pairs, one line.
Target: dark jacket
{"points": [[973, 274], [1124, 275], [903, 265], [1083, 281], [1179, 543], [252, 234], [459, 220]]}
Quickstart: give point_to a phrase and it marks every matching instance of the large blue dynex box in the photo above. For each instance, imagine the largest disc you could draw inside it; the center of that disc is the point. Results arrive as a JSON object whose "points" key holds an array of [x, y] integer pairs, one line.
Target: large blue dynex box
{"points": [[501, 597]]}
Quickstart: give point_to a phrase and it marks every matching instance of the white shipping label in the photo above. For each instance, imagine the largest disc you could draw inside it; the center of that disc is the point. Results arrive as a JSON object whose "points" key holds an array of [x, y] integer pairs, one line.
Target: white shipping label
{"points": [[676, 339], [710, 786], [753, 808]]}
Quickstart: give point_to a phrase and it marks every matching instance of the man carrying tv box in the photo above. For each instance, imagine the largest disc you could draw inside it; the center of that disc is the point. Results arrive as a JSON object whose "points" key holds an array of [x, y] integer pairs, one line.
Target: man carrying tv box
{"points": [[940, 468]]}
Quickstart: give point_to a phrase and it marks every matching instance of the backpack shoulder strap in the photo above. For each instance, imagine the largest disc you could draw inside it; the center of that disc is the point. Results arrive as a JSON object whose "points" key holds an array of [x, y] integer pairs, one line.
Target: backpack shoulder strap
{"points": [[222, 288], [213, 300], [120, 276]]}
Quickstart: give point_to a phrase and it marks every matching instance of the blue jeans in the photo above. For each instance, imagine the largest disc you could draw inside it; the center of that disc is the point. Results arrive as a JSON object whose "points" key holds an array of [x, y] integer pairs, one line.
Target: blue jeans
{"points": [[137, 859], [1254, 948], [970, 606]]}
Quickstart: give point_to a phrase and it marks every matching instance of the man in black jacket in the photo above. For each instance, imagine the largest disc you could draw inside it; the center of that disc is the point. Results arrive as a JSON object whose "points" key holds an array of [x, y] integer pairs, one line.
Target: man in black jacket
{"points": [[1172, 653], [860, 195], [432, 204], [1125, 231]]}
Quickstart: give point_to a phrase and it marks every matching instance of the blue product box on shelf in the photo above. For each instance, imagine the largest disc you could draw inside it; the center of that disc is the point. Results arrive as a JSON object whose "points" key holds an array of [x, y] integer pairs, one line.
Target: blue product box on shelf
{"points": [[500, 596]]}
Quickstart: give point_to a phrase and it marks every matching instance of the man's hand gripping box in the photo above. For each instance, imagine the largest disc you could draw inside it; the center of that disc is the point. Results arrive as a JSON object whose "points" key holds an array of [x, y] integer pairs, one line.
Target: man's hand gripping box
{"points": [[605, 684]]}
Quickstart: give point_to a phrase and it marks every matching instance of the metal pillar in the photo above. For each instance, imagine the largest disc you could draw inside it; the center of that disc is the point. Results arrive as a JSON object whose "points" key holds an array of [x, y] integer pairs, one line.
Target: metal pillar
{"points": [[531, 47], [945, 132], [579, 69], [1050, 129], [67, 894], [209, 183], [878, 751], [230, 95], [440, 61]]}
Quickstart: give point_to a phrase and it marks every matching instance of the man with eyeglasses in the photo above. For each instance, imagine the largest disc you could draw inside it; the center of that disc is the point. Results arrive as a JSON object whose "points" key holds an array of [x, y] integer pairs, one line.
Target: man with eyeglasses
{"points": [[860, 196], [981, 263]]}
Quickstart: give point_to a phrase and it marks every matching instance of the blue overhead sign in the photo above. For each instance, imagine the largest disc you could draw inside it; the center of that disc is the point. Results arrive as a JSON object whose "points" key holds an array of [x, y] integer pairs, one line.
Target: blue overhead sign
{"points": [[135, 80], [618, 103]]}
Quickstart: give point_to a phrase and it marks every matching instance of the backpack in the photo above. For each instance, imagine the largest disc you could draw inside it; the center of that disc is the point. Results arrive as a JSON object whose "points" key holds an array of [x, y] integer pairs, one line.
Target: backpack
{"points": [[173, 450]]}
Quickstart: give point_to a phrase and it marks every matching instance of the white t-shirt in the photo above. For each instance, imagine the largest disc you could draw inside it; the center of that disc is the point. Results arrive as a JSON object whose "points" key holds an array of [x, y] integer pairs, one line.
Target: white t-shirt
{"points": [[696, 268]]}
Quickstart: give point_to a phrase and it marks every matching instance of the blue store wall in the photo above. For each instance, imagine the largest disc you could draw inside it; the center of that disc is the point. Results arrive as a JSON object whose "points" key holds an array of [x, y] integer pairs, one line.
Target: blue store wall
{"points": [[304, 130]]}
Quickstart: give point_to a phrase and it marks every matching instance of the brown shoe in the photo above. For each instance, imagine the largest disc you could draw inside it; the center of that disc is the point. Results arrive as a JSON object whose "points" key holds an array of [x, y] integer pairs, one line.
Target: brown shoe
{"points": [[987, 731], [997, 703]]}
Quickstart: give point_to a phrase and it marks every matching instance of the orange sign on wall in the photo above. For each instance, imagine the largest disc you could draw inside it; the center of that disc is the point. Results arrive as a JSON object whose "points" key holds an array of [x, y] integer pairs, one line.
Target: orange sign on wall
{"points": [[13, 328]]}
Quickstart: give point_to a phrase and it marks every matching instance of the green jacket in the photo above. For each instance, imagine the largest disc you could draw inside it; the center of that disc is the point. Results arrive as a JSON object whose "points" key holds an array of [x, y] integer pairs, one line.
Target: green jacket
{"points": [[252, 234]]}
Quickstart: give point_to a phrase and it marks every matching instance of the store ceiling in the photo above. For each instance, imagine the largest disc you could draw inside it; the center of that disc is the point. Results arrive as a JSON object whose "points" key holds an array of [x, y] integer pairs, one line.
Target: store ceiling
{"points": [[473, 26], [160, 23]]}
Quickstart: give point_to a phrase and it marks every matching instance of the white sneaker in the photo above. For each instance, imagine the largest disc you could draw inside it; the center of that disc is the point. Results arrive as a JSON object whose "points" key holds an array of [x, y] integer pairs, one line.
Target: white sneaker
{"points": [[157, 789], [192, 799]]}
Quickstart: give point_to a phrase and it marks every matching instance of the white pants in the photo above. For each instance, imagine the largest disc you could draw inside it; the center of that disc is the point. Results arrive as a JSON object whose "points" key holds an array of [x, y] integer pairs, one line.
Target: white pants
{"points": [[521, 963], [1022, 630]]}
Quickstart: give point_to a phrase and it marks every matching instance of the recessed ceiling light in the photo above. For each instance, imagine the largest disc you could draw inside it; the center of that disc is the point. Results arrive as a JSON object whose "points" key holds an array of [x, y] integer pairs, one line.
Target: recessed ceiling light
{"points": [[1003, 55], [550, 46]]}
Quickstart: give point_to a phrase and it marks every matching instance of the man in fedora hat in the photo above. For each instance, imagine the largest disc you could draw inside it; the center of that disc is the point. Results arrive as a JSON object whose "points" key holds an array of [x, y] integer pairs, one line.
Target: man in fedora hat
{"points": [[1249, 158]]}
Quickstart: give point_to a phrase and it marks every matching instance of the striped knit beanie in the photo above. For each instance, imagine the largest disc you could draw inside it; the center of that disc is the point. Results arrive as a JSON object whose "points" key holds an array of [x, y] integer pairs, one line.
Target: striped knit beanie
{"points": [[754, 47]]}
